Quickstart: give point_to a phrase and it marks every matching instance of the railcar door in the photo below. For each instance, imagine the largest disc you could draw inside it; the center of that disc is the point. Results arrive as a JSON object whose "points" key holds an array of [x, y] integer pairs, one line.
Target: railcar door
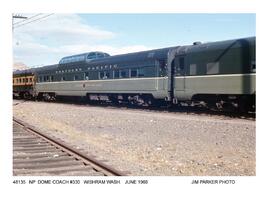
{"points": [[179, 73]]}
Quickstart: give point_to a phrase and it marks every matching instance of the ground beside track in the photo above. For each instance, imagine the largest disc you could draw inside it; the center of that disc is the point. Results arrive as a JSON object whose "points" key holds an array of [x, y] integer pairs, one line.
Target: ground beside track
{"points": [[150, 143]]}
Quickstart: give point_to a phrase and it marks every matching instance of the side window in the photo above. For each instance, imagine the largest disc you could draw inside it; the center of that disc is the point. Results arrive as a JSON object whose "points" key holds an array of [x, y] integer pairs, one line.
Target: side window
{"points": [[133, 73], [123, 74], [76, 77], [86, 76], [116, 74], [106, 75], [91, 55], [162, 68], [150, 71], [193, 69], [100, 55], [253, 66], [212, 68], [182, 63], [101, 75], [179, 66], [141, 73]]}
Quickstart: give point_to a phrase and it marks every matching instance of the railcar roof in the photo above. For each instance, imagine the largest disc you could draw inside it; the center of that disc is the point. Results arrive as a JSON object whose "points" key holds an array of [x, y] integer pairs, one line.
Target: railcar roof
{"points": [[152, 54], [23, 72], [47, 68], [136, 56], [221, 44]]}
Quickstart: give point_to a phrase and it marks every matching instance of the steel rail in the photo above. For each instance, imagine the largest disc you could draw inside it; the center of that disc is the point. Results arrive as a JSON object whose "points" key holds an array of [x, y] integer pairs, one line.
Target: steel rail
{"points": [[98, 165]]}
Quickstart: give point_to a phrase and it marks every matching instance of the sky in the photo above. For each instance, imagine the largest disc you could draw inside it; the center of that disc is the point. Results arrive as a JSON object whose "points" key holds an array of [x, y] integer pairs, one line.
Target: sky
{"points": [[47, 40]]}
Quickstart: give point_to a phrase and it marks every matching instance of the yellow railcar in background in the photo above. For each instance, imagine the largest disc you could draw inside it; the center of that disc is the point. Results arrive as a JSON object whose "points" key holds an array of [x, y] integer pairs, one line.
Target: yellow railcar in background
{"points": [[23, 84]]}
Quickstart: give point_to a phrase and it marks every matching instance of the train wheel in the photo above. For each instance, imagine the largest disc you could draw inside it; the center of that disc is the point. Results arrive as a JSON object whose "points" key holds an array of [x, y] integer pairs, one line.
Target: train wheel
{"points": [[48, 97], [246, 104]]}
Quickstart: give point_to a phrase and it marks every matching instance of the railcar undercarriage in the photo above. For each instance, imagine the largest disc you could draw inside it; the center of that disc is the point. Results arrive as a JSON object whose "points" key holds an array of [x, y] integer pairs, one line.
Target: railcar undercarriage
{"points": [[226, 103], [231, 103]]}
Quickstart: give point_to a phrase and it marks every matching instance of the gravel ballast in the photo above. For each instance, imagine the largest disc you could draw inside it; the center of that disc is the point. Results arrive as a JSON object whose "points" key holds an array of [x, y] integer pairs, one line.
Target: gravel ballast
{"points": [[150, 142]]}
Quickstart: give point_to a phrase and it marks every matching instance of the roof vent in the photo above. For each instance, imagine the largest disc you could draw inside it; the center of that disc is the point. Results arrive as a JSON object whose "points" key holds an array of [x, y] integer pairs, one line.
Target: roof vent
{"points": [[197, 43]]}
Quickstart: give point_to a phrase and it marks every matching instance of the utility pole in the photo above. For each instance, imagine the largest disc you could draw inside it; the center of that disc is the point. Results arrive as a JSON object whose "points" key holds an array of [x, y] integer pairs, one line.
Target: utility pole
{"points": [[18, 17]]}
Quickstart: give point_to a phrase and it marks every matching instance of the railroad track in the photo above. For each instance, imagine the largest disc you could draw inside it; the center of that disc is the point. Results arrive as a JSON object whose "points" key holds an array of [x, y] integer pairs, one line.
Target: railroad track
{"points": [[37, 154]]}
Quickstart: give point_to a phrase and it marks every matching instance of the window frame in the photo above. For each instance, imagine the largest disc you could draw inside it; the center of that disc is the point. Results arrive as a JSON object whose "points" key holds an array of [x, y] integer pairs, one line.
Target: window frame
{"points": [[211, 68], [193, 69]]}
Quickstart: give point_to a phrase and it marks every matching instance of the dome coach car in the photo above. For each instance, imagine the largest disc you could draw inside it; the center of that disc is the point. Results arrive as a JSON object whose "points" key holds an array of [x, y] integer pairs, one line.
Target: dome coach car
{"points": [[136, 77], [220, 74]]}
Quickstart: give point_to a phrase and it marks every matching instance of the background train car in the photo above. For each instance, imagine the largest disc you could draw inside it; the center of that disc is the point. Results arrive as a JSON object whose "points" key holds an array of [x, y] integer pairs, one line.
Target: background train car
{"points": [[45, 75], [23, 83]]}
